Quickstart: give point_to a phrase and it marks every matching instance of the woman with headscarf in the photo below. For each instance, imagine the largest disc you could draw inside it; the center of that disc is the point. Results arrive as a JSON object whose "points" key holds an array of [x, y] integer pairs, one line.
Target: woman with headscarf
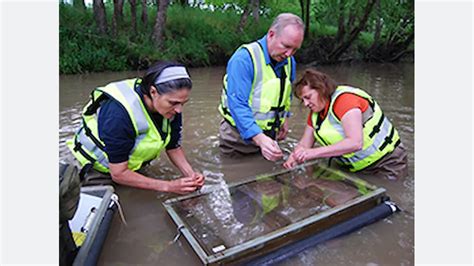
{"points": [[126, 124]]}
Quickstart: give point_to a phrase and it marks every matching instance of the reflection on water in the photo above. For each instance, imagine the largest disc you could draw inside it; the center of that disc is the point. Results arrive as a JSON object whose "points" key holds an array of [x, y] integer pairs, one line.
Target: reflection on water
{"points": [[146, 239], [228, 216]]}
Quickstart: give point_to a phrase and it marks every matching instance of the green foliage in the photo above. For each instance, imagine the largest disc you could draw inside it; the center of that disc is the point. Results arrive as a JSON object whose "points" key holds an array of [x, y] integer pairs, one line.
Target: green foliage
{"points": [[193, 36], [203, 37], [275, 7]]}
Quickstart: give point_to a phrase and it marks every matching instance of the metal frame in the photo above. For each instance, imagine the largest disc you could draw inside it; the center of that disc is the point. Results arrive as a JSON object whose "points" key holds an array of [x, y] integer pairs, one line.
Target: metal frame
{"points": [[105, 192], [273, 240]]}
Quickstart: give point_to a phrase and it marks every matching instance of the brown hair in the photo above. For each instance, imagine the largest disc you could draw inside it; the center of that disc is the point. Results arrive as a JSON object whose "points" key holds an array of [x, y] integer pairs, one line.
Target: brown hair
{"points": [[318, 81]]}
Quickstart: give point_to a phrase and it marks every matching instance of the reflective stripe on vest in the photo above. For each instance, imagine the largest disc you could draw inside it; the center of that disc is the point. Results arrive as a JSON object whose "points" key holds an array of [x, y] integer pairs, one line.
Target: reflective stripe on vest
{"points": [[379, 135], [263, 76], [148, 142]]}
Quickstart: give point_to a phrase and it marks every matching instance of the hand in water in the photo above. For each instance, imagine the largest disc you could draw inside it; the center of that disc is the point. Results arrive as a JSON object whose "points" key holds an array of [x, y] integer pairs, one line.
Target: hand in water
{"points": [[302, 155], [290, 163], [199, 179], [292, 160], [186, 185], [269, 148]]}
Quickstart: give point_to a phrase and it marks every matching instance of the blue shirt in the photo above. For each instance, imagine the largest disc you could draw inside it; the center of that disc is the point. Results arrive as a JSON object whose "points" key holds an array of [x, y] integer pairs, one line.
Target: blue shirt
{"points": [[240, 75], [117, 133]]}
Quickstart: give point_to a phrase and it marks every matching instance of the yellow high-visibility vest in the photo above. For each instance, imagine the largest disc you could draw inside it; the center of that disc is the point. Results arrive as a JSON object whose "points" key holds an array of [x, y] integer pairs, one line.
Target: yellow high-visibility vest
{"points": [[86, 144], [265, 92], [379, 135]]}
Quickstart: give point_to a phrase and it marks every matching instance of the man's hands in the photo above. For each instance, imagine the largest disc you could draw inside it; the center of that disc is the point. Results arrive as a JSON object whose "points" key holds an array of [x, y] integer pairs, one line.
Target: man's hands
{"points": [[186, 184], [270, 149]]}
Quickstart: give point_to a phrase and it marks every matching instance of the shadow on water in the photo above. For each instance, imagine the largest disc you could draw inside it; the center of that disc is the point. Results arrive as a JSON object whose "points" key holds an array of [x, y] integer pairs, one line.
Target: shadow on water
{"points": [[146, 239]]}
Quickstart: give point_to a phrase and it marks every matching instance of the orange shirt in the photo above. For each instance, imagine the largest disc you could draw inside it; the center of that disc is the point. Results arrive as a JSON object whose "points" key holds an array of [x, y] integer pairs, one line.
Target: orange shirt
{"points": [[344, 103]]}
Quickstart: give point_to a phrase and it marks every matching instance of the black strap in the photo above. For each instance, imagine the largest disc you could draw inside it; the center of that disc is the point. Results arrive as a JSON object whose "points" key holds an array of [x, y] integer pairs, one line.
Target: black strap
{"points": [[330, 161], [388, 139], [376, 128], [85, 170], [372, 104], [225, 118], [225, 110], [319, 121], [78, 148], [92, 108], [88, 132], [276, 125], [87, 167]]}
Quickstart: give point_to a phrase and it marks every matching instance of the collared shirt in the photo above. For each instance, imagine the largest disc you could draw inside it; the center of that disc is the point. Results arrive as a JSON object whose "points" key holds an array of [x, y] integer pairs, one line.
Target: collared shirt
{"points": [[240, 75], [117, 133]]}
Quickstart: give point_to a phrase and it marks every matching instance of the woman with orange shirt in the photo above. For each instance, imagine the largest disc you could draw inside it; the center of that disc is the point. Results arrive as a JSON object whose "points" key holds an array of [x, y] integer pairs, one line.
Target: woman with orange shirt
{"points": [[349, 126]]}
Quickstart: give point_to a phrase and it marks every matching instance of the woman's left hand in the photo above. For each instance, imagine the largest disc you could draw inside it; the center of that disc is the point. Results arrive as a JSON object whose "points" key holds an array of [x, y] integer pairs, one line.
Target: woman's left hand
{"points": [[290, 163], [199, 179]]}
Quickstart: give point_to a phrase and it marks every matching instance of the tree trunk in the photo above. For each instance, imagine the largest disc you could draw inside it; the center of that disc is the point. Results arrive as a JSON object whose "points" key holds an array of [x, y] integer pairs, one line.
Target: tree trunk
{"points": [[346, 43], [244, 17], [144, 14], [117, 17], [100, 17], [160, 23], [133, 11], [256, 10], [119, 7], [302, 9], [79, 4], [306, 30]]}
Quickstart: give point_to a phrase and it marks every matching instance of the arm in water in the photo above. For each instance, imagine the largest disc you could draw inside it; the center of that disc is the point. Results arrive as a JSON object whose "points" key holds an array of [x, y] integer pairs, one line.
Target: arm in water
{"points": [[123, 175], [178, 158]]}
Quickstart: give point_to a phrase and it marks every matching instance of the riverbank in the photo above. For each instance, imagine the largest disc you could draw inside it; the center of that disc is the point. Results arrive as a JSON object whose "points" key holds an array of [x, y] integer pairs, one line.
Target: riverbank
{"points": [[196, 37]]}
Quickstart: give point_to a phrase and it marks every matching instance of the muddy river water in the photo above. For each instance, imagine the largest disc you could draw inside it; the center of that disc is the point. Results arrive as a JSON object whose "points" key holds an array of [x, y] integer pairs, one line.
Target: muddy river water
{"points": [[147, 238]]}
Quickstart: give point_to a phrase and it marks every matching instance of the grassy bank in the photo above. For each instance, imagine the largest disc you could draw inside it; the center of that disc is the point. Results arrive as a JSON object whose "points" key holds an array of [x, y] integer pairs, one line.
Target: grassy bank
{"points": [[192, 36]]}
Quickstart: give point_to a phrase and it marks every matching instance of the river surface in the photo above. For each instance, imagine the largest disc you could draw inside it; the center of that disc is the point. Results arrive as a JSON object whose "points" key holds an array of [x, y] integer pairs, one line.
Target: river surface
{"points": [[147, 238]]}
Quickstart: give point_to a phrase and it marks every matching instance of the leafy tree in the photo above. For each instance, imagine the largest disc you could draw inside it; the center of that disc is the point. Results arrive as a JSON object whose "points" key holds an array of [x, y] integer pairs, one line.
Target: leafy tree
{"points": [[353, 16], [393, 24], [79, 4]]}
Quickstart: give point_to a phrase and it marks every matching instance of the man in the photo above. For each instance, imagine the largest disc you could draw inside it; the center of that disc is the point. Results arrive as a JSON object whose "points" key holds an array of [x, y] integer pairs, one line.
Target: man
{"points": [[256, 97]]}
